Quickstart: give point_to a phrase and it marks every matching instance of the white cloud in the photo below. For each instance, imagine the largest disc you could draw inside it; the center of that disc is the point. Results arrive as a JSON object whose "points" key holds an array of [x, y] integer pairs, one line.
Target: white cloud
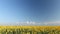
{"points": [[40, 23], [53, 23], [34, 23]]}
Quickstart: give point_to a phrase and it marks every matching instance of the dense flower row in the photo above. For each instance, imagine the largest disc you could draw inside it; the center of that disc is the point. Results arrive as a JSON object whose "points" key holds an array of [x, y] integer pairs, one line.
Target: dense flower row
{"points": [[30, 30]]}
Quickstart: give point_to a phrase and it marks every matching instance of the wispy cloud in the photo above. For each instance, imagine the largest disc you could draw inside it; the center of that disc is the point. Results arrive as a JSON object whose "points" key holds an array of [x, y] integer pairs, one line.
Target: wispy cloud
{"points": [[53, 23], [40, 23]]}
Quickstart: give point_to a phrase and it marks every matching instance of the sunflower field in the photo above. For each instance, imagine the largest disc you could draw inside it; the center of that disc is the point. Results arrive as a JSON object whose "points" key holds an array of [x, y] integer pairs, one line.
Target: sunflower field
{"points": [[29, 29]]}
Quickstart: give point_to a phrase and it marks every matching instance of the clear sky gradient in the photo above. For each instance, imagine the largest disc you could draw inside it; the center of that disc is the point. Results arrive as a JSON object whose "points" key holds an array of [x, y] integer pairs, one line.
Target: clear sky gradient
{"points": [[29, 10]]}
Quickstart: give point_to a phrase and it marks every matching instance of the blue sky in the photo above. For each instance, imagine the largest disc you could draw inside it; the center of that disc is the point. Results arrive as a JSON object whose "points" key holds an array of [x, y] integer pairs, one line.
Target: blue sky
{"points": [[29, 10]]}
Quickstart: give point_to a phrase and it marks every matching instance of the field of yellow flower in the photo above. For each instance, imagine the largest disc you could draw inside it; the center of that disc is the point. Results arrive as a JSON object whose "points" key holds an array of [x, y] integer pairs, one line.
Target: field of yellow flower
{"points": [[29, 29]]}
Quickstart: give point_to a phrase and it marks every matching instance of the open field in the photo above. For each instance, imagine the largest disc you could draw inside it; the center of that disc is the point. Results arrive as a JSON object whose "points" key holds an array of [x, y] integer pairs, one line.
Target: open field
{"points": [[29, 29]]}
